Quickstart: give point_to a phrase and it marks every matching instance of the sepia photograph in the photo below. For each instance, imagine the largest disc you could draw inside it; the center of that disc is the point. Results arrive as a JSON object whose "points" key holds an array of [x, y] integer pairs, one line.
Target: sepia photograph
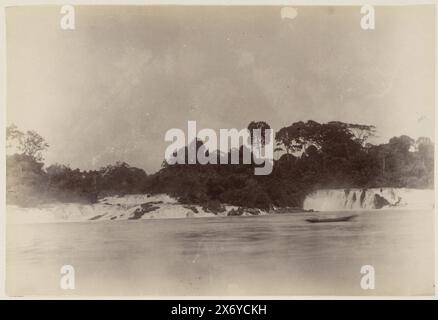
{"points": [[220, 151]]}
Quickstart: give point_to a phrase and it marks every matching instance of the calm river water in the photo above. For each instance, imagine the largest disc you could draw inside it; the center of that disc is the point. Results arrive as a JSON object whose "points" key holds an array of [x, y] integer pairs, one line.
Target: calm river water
{"points": [[261, 255]]}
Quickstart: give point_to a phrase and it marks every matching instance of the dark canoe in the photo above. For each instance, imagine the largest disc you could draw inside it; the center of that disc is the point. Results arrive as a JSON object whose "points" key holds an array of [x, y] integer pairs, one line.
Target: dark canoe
{"points": [[333, 219]]}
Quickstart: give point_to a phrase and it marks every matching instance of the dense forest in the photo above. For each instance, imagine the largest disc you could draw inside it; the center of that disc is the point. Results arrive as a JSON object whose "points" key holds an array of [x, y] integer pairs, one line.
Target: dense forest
{"points": [[308, 156]]}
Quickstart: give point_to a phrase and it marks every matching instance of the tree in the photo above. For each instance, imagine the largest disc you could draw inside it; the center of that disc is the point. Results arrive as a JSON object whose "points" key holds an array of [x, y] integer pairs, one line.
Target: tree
{"points": [[424, 146], [256, 139], [426, 150], [30, 143], [13, 135], [33, 145], [361, 132], [121, 178], [291, 137], [401, 144]]}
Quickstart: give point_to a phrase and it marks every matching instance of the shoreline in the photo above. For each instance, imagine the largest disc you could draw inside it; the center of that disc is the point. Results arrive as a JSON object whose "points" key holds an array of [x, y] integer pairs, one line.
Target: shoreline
{"points": [[162, 206], [119, 208]]}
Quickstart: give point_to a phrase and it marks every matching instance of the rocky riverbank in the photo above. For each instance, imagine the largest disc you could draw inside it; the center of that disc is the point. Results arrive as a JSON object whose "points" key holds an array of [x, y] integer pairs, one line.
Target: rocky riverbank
{"points": [[128, 207]]}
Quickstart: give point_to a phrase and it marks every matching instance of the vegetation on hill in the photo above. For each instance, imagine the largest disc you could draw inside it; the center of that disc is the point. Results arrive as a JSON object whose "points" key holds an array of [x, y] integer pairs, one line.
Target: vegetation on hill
{"points": [[308, 156]]}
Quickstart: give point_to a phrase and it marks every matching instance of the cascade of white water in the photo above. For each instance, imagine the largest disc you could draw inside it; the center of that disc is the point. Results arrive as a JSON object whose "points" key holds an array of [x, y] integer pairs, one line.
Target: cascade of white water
{"points": [[369, 199]]}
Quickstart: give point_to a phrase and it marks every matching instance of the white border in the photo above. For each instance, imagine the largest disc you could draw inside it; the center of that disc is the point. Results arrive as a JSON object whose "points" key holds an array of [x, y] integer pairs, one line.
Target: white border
{"points": [[3, 99], [2, 152]]}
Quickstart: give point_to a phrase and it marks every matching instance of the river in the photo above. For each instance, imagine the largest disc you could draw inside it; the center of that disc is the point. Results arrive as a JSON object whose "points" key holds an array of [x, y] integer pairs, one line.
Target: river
{"points": [[271, 255]]}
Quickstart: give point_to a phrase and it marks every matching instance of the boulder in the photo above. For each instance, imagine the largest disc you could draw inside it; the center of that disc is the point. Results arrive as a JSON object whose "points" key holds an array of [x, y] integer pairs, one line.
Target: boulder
{"points": [[253, 211], [193, 208], [143, 209], [235, 212], [380, 202], [214, 206]]}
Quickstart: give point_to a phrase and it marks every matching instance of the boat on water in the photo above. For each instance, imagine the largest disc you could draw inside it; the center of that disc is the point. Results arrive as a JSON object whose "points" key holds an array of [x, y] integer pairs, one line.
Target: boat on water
{"points": [[331, 219]]}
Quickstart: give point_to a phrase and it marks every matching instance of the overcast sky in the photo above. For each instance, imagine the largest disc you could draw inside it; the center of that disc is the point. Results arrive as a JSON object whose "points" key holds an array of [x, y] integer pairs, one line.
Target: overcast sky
{"points": [[110, 89]]}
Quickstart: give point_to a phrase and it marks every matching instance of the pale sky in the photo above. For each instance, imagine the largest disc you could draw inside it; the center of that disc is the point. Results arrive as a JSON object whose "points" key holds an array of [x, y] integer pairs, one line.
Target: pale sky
{"points": [[110, 89]]}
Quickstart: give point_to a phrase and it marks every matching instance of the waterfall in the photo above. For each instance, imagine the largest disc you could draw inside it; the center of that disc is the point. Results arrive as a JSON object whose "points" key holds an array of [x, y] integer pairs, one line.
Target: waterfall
{"points": [[369, 199]]}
